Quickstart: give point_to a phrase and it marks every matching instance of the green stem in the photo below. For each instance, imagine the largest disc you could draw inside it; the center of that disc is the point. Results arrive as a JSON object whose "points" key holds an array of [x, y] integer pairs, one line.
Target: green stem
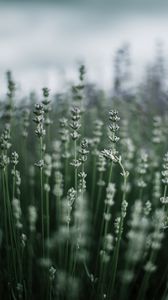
{"points": [[164, 196], [47, 215], [76, 171], [11, 225], [14, 183], [117, 248], [145, 281], [115, 257], [66, 178], [110, 172], [41, 192], [143, 287], [93, 180], [5, 222], [97, 208], [30, 264]]}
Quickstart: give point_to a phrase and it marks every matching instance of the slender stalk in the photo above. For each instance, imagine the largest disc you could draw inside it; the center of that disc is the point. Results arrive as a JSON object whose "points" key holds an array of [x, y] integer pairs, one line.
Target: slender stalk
{"points": [[47, 215], [97, 208], [115, 257], [164, 196], [110, 172], [6, 223], [76, 170], [145, 281], [93, 180], [66, 179], [14, 182], [117, 247], [41, 193], [12, 236], [30, 264]]}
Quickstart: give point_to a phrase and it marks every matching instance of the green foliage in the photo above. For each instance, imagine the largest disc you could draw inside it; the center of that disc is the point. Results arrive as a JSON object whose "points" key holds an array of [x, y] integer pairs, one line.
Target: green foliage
{"points": [[83, 196]]}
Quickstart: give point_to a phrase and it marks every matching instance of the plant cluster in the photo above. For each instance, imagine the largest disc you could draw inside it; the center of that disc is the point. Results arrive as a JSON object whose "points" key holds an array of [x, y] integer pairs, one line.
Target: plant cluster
{"points": [[83, 198]]}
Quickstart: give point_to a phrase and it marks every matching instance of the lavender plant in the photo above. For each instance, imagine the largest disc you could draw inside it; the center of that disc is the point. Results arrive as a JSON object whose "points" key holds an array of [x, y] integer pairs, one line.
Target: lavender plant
{"points": [[83, 209]]}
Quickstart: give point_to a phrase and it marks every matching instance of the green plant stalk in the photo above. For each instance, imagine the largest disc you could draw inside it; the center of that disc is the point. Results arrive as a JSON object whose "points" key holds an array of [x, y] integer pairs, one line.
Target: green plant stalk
{"points": [[165, 293], [93, 179], [102, 223], [15, 231], [9, 223], [58, 212], [103, 267], [30, 263], [66, 179], [24, 153], [47, 215], [14, 234], [25, 168], [11, 227], [164, 195], [144, 285], [98, 199], [67, 250], [161, 281], [110, 172], [71, 257], [60, 250], [75, 261], [115, 257], [14, 183], [109, 180], [41, 192], [125, 288], [48, 135], [76, 170], [6, 224], [117, 248]]}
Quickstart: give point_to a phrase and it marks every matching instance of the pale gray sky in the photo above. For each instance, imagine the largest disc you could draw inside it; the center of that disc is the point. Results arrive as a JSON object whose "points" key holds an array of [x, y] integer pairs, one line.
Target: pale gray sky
{"points": [[42, 44]]}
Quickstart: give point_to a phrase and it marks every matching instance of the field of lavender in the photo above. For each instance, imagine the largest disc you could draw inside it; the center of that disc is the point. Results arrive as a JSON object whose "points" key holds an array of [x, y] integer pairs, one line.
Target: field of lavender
{"points": [[83, 193]]}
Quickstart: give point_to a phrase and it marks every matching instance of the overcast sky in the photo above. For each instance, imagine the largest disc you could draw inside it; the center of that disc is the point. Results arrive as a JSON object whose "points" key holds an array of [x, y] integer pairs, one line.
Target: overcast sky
{"points": [[43, 41]]}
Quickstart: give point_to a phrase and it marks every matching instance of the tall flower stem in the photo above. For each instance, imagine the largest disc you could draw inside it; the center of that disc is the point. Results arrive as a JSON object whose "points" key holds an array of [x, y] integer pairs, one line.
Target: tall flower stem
{"points": [[76, 170], [47, 215], [11, 227], [117, 247], [6, 223], [93, 180], [100, 188], [41, 193]]}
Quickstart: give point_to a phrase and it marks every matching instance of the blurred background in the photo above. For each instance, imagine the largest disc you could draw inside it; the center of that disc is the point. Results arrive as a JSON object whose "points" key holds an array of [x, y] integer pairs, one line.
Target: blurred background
{"points": [[43, 42]]}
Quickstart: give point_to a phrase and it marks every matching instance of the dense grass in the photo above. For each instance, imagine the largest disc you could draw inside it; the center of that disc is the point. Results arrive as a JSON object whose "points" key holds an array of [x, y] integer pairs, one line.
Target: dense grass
{"points": [[83, 196]]}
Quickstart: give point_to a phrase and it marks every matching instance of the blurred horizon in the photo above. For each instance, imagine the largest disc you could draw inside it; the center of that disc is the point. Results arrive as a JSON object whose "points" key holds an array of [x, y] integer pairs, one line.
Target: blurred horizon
{"points": [[42, 42]]}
